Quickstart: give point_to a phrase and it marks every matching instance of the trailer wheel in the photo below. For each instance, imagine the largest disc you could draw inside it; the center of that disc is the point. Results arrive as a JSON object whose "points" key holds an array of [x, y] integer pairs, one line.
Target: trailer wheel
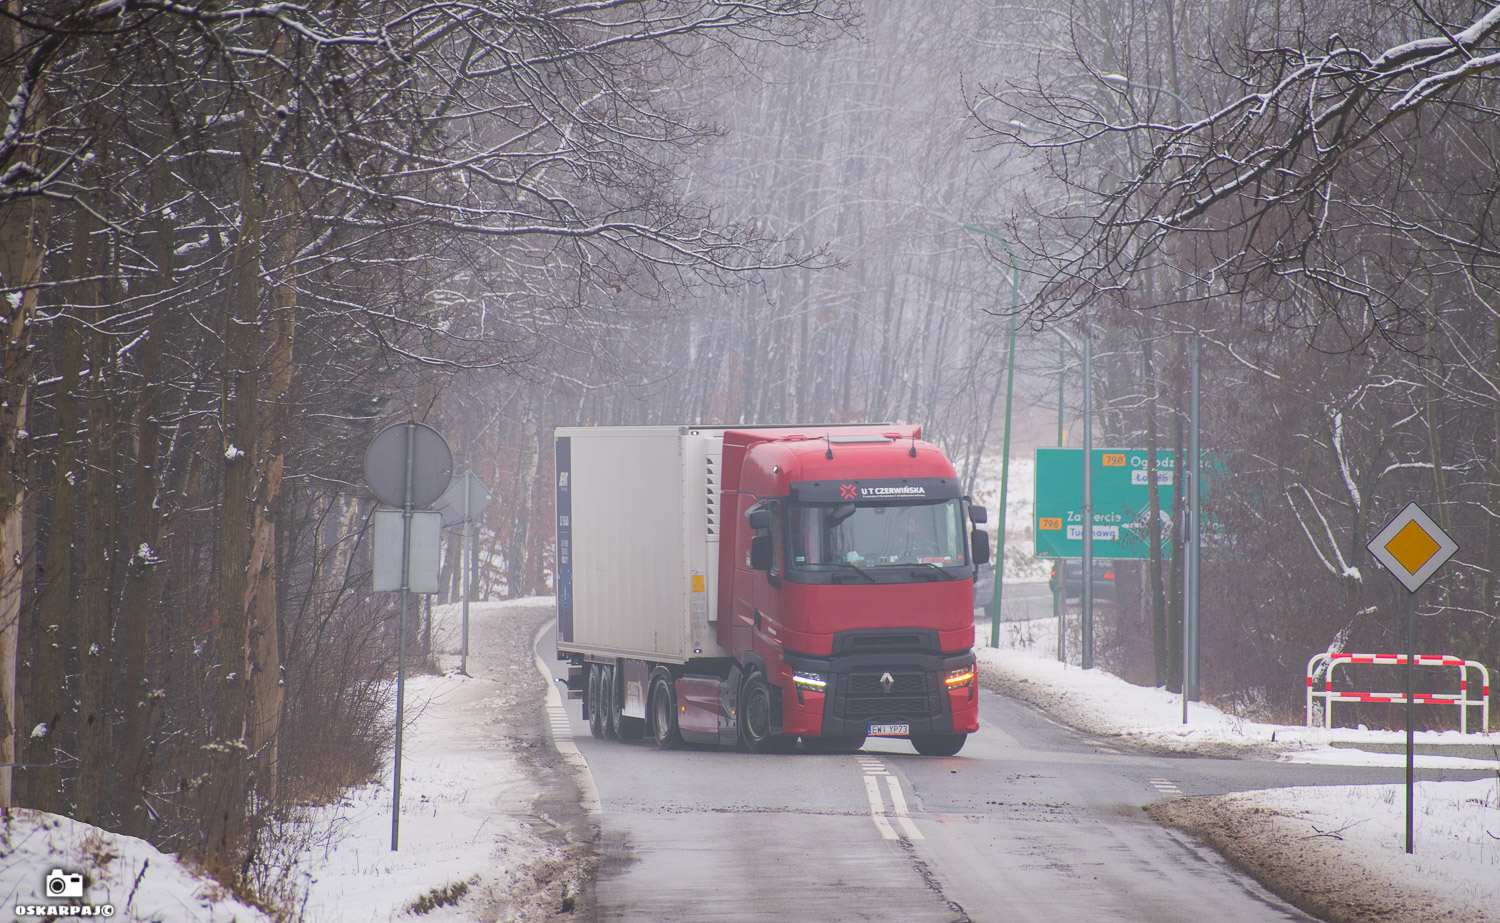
{"points": [[938, 744], [755, 718], [609, 702], [663, 712], [591, 702]]}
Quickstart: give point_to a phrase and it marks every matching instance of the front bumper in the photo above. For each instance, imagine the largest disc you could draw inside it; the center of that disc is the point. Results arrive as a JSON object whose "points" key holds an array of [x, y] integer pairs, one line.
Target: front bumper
{"points": [[882, 678]]}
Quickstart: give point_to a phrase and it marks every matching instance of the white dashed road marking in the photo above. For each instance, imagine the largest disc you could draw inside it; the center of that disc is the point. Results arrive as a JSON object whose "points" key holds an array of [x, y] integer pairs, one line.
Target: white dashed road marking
{"points": [[1166, 787], [874, 770]]}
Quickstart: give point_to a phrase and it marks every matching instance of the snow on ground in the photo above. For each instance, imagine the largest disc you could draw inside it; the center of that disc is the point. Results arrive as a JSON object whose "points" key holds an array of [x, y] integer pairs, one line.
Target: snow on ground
{"points": [[1151, 718], [472, 841], [467, 829], [1358, 828], [121, 877]]}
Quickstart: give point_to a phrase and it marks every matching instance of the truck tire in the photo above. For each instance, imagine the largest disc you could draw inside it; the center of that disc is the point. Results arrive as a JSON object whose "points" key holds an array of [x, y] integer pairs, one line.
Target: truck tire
{"points": [[609, 702], [938, 744], [591, 702], [662, 707], [755, 718]]}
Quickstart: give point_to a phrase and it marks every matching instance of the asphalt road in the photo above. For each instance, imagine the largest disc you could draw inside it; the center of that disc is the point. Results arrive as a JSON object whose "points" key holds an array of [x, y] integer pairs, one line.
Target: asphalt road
{"points": [[1032, 821]]}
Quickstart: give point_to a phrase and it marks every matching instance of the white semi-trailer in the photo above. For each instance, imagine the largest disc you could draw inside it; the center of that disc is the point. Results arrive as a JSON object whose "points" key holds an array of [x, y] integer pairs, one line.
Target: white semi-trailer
{"points": [[761, 584]]}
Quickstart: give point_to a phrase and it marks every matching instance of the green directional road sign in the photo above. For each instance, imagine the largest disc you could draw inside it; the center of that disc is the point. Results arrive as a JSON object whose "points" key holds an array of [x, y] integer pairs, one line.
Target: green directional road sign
{"points": [[1122, 503]]}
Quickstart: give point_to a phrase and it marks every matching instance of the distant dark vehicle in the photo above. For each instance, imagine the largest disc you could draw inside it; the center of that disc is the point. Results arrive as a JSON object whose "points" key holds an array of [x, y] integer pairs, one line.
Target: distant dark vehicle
{"points": [[1104, 580]]}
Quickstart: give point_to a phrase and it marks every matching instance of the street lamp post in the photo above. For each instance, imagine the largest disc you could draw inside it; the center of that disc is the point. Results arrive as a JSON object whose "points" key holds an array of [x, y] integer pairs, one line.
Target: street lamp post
{"points": [[1010, 380], [1086, 656]]}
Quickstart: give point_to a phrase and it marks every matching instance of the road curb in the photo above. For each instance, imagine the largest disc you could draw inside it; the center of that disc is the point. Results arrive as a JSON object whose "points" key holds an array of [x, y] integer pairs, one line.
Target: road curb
{"points": [[562, 731]]}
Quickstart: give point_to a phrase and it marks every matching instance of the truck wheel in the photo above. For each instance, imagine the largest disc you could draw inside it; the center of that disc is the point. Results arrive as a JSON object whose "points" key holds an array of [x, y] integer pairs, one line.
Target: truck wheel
{"points": [[755, 718], [609, 703], [591, 702], [834, 744], [663, 712], [938, 744]]}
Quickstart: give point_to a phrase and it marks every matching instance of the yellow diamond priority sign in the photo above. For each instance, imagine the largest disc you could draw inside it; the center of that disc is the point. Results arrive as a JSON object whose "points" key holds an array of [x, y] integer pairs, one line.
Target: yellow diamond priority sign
{"points": [[1412, 547]]}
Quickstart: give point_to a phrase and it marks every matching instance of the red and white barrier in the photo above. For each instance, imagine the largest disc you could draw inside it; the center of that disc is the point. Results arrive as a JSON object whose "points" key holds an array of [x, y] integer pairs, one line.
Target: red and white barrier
{"points": [[1461, 699]]}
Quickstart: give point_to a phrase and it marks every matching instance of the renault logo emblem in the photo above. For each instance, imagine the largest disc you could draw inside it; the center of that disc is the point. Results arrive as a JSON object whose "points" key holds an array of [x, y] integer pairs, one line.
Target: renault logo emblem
{"points": [[887, 681]]}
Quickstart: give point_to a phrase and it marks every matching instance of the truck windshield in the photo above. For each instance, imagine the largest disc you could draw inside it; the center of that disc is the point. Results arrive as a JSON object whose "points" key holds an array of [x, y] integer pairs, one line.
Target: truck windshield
{"points": [[827, 537]]}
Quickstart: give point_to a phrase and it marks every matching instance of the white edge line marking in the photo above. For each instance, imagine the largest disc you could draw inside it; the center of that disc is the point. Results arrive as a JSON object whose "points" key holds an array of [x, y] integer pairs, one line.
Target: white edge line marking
{"points": [[898, 803], [877, 809], [562, 730]]}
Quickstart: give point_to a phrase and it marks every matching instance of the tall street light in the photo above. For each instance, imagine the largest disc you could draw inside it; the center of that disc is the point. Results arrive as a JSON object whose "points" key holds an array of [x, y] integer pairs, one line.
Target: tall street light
{"points": [[1194, 485], [1010, 380]]}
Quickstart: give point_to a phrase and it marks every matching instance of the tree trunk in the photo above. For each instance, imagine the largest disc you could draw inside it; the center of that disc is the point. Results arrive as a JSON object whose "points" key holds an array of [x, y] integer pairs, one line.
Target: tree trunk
{"points": [[1156, 587], [142, 534], [515, 556], [268, 690], [50, 690], [94, 638], [222, 809], [1175, 588], [23, 242]]}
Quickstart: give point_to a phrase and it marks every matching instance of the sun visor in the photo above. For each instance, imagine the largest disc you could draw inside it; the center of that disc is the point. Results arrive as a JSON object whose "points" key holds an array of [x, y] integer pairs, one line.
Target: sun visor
{"points": [[875, 489]]}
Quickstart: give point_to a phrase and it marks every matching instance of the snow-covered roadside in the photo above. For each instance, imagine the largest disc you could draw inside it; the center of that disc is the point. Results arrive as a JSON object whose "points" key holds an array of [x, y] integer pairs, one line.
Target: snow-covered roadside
{"points": [[491, 827], [1336, 851], [478, 835], [122, 877]]}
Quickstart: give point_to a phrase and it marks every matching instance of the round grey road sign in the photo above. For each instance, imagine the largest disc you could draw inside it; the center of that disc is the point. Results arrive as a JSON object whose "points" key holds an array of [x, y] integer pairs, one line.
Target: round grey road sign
{"points": [[417, 445]]}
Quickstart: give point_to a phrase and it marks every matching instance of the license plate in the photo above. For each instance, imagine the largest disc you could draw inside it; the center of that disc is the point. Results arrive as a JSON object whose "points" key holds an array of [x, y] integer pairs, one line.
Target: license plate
{"points": [[890, 730]]}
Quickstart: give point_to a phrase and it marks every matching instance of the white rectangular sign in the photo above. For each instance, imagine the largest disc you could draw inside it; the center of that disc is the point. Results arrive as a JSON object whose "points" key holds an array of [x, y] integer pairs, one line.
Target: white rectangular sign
{"points": [[425, 564]]}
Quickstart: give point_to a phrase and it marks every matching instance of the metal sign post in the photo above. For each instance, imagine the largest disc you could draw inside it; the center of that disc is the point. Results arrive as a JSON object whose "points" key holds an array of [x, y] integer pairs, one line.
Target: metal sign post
{"points": [[463, 501], [407, 465], [1412, 547]]}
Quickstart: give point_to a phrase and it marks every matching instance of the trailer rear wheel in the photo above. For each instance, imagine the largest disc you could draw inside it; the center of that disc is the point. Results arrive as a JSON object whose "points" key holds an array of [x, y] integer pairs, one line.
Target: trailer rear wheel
{"points": [[938, 744], [663, 712], [591, 701], [609, 702]]}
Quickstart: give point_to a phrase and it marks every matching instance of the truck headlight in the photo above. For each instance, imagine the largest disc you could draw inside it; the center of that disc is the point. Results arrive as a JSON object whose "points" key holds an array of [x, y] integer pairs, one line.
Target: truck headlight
{"points": [[807, 679], [963, 676]]}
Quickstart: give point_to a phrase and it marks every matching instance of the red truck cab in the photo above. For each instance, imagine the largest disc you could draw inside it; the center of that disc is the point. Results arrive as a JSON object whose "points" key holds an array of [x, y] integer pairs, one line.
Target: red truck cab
{"points": [[849, 601]]}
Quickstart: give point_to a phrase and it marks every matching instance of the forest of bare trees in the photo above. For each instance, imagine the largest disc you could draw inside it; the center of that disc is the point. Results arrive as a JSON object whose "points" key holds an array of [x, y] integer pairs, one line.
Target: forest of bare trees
{"points": [[1307, 191], [237, 240]]}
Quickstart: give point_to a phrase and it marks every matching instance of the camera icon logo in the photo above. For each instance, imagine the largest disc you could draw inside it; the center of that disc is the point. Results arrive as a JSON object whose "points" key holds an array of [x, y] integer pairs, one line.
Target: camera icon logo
{"points": [[64, 884]]}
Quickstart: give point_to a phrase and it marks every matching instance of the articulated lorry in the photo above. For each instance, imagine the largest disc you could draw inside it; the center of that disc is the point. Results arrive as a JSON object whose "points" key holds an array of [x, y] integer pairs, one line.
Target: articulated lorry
{"points": [[754, 585]]}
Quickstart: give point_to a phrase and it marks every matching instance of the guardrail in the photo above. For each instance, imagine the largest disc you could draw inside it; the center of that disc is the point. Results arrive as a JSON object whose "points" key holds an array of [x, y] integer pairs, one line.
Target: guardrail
{"points": [[1461, 699]]}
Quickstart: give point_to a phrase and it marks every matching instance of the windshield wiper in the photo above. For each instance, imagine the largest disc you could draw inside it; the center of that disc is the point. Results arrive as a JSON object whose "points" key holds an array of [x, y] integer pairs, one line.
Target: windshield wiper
{"points": [[937, 567], [856, 568]]}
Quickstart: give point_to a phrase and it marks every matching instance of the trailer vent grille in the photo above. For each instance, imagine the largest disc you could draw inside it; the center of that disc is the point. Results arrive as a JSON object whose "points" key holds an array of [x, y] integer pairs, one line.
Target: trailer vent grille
{"points": [[711, 486]]}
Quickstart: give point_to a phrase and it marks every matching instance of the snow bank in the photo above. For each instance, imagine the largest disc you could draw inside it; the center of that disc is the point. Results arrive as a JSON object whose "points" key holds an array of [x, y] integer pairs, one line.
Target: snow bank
{"points": [[1357, 834], [123, 878]]}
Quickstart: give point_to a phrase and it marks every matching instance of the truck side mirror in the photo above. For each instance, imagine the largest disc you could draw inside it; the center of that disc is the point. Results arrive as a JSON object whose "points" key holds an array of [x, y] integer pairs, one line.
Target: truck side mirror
{"points": [[760, 551], [981, 546], [759, 519], [978, 515]]}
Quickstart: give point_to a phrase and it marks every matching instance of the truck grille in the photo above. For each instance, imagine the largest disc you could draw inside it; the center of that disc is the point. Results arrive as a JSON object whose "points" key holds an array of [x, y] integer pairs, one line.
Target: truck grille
{"points": [[913, 695]]}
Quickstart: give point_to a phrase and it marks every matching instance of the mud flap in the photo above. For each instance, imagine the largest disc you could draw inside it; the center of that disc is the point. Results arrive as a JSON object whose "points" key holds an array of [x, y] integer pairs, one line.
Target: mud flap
{"points": [[729, 707]]}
